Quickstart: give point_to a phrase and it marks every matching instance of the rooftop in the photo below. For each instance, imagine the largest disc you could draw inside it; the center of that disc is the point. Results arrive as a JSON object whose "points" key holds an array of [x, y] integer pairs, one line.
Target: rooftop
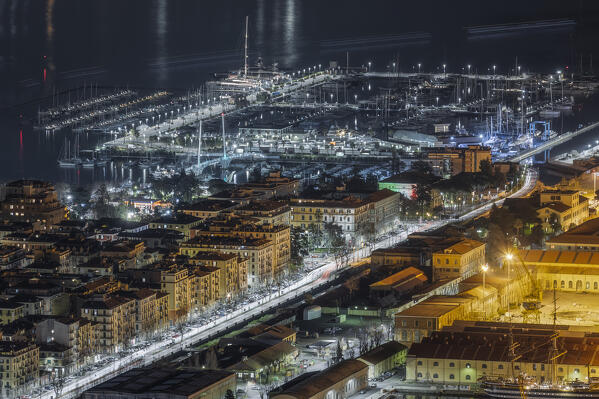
{"points": [[560, 257], [349, 202], [381, 195], [556, 206], [411, 177], [225, 241], [403, 276], [147, 381], [209, 205], [483, 343], [321, 381], [424, 309], [263, 206], [179, 218], [462, 247], [586, 233], [383, 352]]}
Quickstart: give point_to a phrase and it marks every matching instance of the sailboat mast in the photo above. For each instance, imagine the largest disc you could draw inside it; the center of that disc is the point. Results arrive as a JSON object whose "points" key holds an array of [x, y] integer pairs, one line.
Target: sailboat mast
{"points": [[554, 353], [199, 144], [224, 142], [245, 58]]}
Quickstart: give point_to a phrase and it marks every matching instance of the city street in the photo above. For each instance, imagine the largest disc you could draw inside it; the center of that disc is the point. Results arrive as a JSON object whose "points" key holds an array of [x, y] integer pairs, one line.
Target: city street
{"points": [[320, 275]]}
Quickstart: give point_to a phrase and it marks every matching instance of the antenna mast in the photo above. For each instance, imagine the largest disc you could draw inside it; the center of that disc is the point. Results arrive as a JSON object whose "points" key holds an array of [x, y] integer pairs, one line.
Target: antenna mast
{"points": [[245, 66]]}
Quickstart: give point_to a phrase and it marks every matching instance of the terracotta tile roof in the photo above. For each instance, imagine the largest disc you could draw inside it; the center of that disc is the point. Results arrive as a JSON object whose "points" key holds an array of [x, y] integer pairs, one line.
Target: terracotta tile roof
{"points": [[464, 246], [490, 345], [401, 277], [560, 257], [322, 381]]}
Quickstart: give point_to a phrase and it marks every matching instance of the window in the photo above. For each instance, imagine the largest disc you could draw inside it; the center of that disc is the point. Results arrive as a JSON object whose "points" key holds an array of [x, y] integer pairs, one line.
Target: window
{"points": [[516, 367], [419, 375], [500, 367], [484, 366], [467, 376], [593, 371], [576, 371], [468, 365], [534, 366], [561, 370], [420, 362], [429, 323], [563, 284], [570, 284], [435, 364], [452, 364], [588, 285], [435, 375], [595, 285], [451, 377]]}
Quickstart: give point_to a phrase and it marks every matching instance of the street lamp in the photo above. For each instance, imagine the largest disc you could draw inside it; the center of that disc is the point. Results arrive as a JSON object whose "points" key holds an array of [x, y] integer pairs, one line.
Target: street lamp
{"points": [[469, 69], [419, 65], [494, 66], [484, 269], [444, 68]]}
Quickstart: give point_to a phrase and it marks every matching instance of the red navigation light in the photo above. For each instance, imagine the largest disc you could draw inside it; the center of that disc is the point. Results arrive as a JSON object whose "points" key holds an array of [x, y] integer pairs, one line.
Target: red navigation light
{"points": [[222, 114], [566, 66], [44, 74]]}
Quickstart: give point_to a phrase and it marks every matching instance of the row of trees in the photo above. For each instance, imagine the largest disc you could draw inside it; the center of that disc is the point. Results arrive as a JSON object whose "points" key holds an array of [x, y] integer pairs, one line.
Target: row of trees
{"points": [[518, 224]]}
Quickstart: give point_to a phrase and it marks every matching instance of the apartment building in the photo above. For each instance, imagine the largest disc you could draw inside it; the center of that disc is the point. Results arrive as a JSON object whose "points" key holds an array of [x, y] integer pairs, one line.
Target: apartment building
{"points": [[568, 206], [10, 311], [206, 286], [19, 364], [258, 251], [233, 276], [383, 211], [32, 201], [450, 161], [461, 259], [70, 332], [151, 309], [350, 214], [230, 226], [208, 208], [116, 316], [265, 211], [182, 222]]}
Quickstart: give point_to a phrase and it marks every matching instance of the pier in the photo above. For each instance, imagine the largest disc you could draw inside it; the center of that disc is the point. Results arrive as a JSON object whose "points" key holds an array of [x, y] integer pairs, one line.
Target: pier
{"points": [[548, 145]]}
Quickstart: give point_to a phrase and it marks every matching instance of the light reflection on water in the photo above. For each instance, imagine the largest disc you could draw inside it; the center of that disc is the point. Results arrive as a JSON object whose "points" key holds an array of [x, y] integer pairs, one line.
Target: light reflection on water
{"points": [[176, 44]]}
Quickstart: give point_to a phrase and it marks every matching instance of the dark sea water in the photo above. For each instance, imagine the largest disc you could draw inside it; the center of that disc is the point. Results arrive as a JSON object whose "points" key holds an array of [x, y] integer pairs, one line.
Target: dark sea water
{"points": [[179, 44]]}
